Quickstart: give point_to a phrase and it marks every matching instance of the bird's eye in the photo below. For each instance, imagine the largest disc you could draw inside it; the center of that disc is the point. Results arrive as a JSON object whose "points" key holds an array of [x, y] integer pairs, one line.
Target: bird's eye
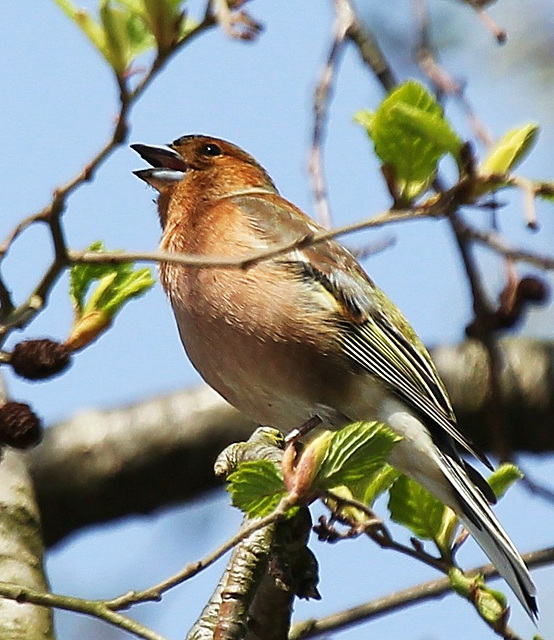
{"points": [[211, 150]]}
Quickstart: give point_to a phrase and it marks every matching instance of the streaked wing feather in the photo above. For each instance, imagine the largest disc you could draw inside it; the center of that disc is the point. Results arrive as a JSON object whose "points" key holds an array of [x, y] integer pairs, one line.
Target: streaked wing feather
{"points": [[374, 333], [382, 351]]}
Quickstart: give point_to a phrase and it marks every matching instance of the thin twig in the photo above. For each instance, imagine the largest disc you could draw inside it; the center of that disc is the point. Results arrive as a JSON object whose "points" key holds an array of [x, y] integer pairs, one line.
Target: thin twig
{"points": [[6, 302], [378, 532], [19, 317], [107, 610], [94, 608], [402, 599], [482, 310], [535, 487], [236, 24], [530, 190], [18, 230], [155, 592], [371, 55], [344, 19], [386, 541], [494, 242], [160, 62], [498, 32], [442, 80], [244, 262]]}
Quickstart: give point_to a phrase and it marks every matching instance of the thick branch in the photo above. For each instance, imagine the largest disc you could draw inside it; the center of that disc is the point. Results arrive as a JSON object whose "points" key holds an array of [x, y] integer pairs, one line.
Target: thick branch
{"points": [[131, 460], [112, 456], [21, 553]]}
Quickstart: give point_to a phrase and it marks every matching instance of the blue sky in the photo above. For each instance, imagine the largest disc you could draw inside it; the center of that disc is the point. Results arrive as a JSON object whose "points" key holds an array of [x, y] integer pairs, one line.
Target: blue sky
{"points": [[57, 105]]}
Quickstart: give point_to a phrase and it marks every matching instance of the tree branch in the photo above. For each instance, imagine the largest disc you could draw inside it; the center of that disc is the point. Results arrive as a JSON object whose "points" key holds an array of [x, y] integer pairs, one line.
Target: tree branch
{"points": [[401, 600], [21, 560], [21, 557], [111, 454], [52, 213], [344, 20]]}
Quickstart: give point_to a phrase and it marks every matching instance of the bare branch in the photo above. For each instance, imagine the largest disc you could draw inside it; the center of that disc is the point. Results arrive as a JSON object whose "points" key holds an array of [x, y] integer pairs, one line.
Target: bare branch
{"points": [[155, 592], [344, 19], [536, 488], [442, 80], [244, 262], [110, 455], [372, 55], [401, 600], [95, 608], [493, 241]]}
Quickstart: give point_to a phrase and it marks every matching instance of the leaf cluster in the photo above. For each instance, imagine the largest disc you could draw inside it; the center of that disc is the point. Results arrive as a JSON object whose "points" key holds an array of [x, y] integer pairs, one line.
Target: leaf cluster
{"points": [[411, 135], [125, 29], [348, 469], [95, 307], [353, 457]]}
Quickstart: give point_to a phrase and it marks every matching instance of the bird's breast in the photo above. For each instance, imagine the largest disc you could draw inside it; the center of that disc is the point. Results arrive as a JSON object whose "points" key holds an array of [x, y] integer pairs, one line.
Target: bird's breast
{"points": [[257, 346]]}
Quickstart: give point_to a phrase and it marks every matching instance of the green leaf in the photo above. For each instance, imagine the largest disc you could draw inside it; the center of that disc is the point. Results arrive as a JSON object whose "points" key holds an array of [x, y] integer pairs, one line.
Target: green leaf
{"points": [[256, 487], [366, 491], [490, 603], [115, 285], [126, 35], [120, 35], [187, 25], [348, 513], [82, 276], [102, 289], [117, 49], [375, 484], [510, 150], [410, 135], [503, 478], [125, 287], [429, 127], [364, 117], [165, 21], [355, 452], [90, 27], [414, 507], [135, 6]]}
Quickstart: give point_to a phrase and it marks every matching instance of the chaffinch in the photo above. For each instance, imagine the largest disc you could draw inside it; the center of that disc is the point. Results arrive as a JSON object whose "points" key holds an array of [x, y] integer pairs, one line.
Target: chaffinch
{"points": [[307, 334]]}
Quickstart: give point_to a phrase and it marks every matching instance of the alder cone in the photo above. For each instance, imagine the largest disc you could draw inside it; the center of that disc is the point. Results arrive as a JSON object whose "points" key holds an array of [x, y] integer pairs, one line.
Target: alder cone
{"points": [[40, 359], [20, 427]]}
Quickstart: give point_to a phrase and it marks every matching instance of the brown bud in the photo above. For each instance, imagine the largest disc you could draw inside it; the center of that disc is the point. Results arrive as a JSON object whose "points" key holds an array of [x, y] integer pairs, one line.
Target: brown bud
{"points": [[39, 359], [533, 289], [20, 427], [467, 159]]}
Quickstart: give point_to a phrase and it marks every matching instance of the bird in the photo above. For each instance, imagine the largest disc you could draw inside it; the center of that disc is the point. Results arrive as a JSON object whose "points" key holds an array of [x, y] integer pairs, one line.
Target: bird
{"points": [[305, 334]]}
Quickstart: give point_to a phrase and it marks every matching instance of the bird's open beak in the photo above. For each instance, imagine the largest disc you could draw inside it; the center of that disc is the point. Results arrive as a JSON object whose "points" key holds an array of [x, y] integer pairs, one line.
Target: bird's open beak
{"points": [[168, 166]]}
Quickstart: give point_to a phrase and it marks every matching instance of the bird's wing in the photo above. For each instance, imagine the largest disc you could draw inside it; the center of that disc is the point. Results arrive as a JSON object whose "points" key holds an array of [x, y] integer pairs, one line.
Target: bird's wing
{"points": [[373, 332], [376, 336], [382, 350]]}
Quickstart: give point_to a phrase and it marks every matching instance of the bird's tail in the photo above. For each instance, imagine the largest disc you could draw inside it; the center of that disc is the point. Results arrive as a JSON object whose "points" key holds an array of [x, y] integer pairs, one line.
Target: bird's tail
{"points": [[476, 514]]}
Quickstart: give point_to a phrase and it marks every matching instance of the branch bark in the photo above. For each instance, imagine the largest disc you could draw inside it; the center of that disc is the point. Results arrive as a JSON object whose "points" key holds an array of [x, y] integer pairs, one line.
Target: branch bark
{"points": [[161, 451], [21, 553]]}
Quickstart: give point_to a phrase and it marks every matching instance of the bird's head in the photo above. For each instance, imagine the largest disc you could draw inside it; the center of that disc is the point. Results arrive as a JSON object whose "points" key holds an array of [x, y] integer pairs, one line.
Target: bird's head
{"points": [[196, 168]]}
